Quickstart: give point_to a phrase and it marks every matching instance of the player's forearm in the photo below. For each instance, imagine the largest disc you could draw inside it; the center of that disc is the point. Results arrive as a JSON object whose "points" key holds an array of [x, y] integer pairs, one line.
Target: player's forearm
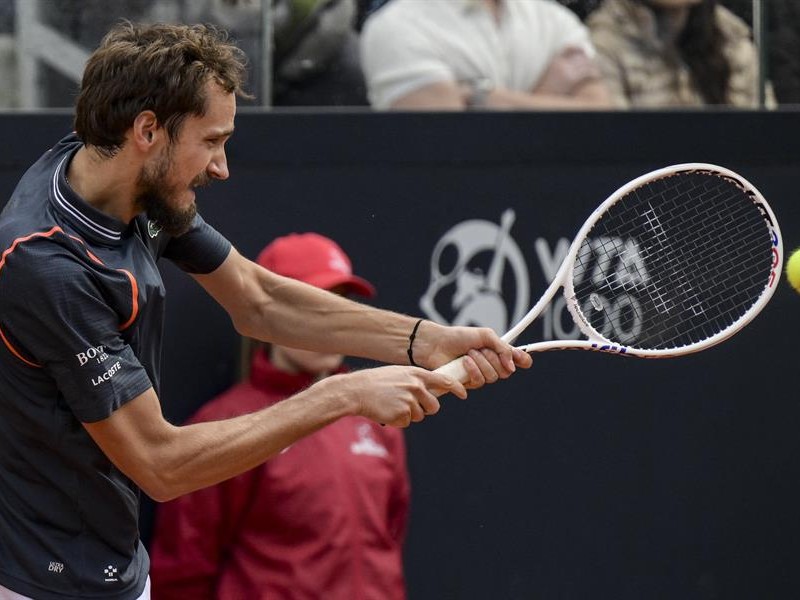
{"points": [[204, 454], [167, 461], [306, 317], [276, 309]]}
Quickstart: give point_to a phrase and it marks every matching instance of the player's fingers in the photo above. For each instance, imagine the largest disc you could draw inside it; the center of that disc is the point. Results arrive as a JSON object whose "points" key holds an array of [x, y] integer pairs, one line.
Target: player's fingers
{"points": [[475, 377], [521, 358], [489, 364], [457, 388], [512, 357], [500, 366], [401, 422], [506, 352], [507, 362], [429, 404], [422, 402], [439, 384], [416, 412]]}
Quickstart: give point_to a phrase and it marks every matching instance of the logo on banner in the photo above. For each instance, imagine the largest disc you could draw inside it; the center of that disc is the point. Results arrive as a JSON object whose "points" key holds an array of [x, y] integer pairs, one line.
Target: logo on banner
{"points": [[472, 266], [479, 276]]}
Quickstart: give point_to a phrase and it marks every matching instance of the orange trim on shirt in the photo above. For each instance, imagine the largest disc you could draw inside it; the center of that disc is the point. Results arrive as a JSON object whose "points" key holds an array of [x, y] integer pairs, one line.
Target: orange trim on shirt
{"points": [[134, 300], [49, 233], [17, 354], [55, 229], [9, 250], [134, 287]]}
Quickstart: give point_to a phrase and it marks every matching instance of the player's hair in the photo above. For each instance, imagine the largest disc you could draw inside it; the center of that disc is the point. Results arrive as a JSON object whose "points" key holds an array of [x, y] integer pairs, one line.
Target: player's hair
{"points": [[163, 68]]}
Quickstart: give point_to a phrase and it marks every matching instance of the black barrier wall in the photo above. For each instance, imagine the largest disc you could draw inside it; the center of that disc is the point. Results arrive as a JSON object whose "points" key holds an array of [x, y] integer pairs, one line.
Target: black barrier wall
{"points": [[591, 476]]}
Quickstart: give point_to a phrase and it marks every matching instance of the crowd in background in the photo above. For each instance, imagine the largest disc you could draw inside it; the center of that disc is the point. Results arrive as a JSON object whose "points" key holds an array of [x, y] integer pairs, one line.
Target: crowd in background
{"points": [[324, 54]]}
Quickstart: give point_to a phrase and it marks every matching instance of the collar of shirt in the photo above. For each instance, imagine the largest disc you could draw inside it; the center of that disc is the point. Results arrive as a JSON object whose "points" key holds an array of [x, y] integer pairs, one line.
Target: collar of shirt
{"points": [[90, 222]]}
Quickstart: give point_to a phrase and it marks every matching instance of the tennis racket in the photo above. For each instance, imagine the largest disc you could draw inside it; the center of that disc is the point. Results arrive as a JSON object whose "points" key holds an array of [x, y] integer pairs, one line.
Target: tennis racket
{"points": [[674, 262]]}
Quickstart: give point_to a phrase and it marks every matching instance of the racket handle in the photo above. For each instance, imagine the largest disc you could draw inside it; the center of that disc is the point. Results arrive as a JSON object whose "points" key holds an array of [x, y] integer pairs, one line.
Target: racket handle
{"points": [[455, 370]]}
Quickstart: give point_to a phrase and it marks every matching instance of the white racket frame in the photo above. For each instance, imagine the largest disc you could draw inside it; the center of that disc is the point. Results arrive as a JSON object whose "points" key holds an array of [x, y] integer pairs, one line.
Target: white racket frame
{"points": [[564, 279]]}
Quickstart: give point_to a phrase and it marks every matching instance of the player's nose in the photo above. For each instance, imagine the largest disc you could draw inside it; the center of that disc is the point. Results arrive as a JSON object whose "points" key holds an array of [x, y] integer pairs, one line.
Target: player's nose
{"points": [[218, 167]]}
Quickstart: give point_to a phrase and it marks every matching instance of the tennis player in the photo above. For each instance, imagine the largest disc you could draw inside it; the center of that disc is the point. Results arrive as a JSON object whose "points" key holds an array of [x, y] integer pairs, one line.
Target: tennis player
{"points": [[81, 308]]}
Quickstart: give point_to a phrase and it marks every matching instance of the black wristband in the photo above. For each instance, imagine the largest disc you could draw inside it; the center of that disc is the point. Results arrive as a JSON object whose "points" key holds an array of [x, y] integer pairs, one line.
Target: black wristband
{"points": [[410, 350]]}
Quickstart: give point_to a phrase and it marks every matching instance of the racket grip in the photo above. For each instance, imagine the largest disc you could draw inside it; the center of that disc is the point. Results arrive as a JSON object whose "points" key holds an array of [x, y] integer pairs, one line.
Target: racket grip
{"points": [[455, 370]]}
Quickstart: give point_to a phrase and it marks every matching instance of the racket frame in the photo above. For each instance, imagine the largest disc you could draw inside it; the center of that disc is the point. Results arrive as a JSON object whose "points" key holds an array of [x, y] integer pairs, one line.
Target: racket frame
{"points": [[564, 276]]}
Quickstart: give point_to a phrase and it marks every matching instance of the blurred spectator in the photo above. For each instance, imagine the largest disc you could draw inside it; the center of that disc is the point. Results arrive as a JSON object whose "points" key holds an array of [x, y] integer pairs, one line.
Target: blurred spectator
{"points": [[495, 54], [784, 50], [81, 24], [241, 18], [85, 22], [315, 56], [326, 518], [9, 98], [365, 9], [582, 8], [782, 43], [674, 53], [314, 52]]}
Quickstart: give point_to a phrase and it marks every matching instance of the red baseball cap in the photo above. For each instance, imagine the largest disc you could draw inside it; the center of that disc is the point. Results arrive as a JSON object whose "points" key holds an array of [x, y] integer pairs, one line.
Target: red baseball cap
{"points": [[314, 259]]}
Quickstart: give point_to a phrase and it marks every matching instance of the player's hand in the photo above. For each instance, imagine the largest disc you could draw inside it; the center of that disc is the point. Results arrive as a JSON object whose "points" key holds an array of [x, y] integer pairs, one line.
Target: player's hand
{"points": [[395, 395], [488, 358]]}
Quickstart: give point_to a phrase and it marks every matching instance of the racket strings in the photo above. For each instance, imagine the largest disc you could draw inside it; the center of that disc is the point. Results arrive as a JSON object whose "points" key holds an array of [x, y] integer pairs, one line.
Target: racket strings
{"points": [[717, 307], [706, 263], [673, 262]]}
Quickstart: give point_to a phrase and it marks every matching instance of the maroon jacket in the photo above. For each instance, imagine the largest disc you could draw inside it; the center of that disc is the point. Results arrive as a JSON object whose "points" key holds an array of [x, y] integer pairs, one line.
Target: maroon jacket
{"points": [[326, 518]]}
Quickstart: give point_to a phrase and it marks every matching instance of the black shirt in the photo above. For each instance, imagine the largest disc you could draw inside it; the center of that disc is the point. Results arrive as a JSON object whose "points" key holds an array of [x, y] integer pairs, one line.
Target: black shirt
{"points": [[81, 319]]}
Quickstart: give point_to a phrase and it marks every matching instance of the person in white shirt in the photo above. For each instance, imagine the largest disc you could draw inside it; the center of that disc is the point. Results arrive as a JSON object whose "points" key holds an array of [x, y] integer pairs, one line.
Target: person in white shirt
{"points": [[488, 54]]}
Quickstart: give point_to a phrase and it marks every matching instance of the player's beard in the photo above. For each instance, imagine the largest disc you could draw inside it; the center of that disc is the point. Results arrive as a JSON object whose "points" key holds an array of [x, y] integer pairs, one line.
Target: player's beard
{"points": [[157, 197]]}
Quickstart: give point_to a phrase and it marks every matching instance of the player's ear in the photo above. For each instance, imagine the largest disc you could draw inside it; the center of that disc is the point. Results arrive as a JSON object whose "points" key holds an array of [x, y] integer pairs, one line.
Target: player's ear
{"points": [[145, 130]]}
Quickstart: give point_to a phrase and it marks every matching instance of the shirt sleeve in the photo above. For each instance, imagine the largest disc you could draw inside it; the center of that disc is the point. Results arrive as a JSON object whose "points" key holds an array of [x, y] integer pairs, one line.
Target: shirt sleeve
{"points": [[573, 32], [397, 60], [56, 317], [200, 250]]}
